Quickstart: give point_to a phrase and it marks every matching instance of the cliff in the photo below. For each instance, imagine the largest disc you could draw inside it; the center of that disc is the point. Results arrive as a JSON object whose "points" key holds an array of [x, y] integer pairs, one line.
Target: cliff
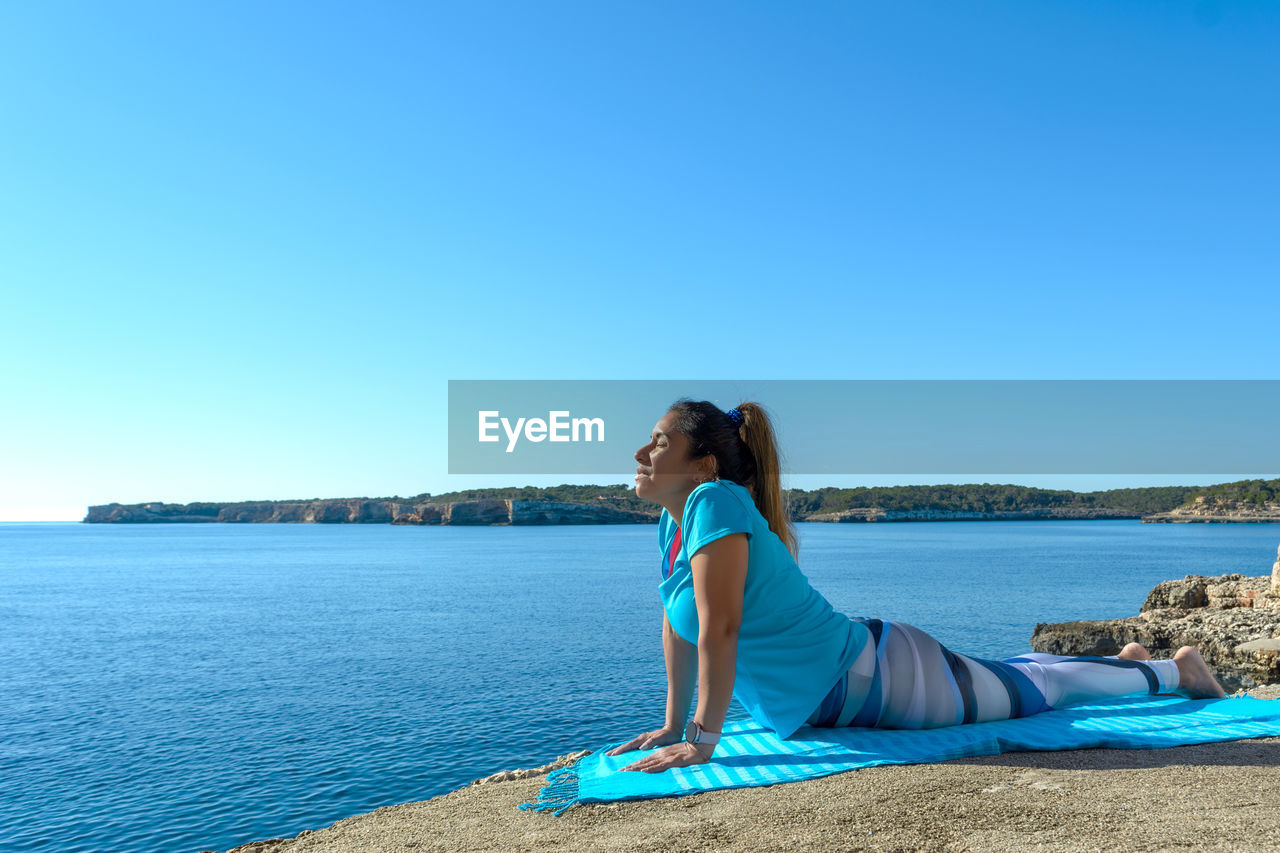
{"points": [[1211, 509], [1233, 620], [363, 511]]}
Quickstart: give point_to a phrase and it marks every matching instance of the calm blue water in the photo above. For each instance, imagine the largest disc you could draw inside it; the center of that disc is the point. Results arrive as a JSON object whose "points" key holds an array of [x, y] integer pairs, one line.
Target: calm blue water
{"points": [[192, 687]]}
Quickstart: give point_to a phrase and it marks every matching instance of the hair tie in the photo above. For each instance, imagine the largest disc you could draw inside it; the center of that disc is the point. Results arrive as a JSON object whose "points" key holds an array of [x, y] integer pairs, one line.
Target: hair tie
{"points": [[735, 416]]}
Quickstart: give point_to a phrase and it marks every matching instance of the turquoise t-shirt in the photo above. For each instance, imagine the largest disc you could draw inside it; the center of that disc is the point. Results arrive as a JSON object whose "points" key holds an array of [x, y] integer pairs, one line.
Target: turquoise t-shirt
{"points": [[793, 646]]}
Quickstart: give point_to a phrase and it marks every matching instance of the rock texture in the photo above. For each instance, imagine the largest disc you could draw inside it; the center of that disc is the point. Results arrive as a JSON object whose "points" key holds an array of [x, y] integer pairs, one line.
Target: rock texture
{"points": [[1212, 509], [532, 772], [351, 511], [151, 513], [1233, 620], [363, 511]]}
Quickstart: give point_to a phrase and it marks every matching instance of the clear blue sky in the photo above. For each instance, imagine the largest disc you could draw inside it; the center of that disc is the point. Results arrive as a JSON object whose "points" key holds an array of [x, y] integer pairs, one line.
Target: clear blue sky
{"points": [[243, 246]]}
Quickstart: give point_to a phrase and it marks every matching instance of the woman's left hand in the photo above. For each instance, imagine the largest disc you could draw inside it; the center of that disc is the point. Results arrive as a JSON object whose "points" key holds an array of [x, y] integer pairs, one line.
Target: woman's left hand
{"points": [[676, 755]]}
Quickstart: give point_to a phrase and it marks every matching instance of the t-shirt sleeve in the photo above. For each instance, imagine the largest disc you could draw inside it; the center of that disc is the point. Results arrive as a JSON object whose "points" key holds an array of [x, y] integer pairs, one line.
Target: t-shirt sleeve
{"points": [[712, 514]]}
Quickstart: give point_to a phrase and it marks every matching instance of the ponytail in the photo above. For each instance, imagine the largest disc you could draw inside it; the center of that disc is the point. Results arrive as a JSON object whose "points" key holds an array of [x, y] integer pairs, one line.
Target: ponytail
{"points": [[766, 487]]}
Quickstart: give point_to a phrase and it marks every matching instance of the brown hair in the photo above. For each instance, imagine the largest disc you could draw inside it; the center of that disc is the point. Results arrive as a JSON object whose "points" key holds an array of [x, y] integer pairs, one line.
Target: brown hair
{"points": [[746, 454]]}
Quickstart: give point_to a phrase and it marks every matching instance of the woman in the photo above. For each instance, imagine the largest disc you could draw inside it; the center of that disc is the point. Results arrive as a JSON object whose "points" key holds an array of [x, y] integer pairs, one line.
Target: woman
{"points": [[742, 620]]}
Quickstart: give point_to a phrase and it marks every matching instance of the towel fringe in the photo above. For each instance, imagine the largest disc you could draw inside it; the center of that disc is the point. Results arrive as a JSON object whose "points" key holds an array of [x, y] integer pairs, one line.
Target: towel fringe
{"points": [[560, 793]]}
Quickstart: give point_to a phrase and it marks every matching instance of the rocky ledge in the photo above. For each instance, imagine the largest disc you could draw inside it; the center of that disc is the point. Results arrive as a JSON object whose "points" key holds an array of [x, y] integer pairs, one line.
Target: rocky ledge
{"points": [[1218, 510], [1233, 620], [1093, 799], [1211, 796], [360, 511]]}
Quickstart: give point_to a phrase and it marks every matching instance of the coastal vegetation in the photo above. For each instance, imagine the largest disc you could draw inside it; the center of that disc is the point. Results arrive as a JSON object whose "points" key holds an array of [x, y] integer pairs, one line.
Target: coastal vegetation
{"points": [[966, 497], [592, 503], [1256, 492], [986, 497]]}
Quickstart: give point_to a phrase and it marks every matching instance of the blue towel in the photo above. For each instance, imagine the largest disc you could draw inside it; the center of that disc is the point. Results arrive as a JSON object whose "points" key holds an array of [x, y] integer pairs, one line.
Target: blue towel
{"points": [[750, 754]]}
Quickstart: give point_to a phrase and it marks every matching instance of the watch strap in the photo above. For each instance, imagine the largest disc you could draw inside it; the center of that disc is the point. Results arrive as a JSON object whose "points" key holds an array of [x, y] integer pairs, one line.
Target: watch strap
{"points": [[695, 733]]}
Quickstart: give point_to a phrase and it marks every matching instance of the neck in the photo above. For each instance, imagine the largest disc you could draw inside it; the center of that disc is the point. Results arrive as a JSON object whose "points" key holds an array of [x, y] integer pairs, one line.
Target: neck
{"points": [[674, 504]]}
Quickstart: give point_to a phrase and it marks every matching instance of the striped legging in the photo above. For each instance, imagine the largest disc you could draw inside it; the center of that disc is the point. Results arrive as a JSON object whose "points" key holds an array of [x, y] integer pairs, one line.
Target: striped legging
{"points": [[905, 679]]}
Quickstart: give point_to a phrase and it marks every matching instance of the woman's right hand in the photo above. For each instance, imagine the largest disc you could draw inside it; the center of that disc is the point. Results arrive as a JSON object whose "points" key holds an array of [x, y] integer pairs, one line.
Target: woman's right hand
{"points": [[650, 740]]}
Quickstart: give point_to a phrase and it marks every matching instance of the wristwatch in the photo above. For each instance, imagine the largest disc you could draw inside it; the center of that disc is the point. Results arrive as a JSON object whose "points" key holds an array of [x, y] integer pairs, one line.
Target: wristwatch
{"points": [[695, 733]]}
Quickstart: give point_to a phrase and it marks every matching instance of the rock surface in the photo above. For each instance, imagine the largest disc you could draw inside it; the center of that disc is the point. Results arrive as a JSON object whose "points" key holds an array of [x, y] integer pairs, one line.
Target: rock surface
{"points": [[151, 513], [526, 773], [1233, 620], [1222, 794], [1212, 796]]}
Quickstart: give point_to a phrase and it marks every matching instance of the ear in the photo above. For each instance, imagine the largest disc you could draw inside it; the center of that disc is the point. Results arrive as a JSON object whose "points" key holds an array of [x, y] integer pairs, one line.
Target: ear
{"points": [[707, 467]]}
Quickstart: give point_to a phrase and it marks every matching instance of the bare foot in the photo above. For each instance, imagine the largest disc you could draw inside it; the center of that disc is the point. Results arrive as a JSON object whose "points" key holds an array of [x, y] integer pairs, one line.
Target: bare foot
{"points": [[1134, 651], [1195, 679]]}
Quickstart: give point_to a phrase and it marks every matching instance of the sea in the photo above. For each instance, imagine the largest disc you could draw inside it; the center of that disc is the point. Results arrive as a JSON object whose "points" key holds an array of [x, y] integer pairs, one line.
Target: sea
{"points": [[192, 687]]}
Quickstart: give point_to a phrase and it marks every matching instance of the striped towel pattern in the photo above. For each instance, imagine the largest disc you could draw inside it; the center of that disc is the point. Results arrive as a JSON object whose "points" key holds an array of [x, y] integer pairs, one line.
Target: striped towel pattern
{"points": [[750, 755]]}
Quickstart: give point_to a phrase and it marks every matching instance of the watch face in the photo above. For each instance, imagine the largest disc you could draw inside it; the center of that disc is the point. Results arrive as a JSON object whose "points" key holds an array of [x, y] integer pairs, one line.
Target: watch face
{"points": [[691, 732]]}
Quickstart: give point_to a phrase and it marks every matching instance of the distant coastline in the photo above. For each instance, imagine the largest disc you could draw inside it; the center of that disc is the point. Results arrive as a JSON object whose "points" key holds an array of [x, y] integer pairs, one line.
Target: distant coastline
{"points": [[1241, 501]]}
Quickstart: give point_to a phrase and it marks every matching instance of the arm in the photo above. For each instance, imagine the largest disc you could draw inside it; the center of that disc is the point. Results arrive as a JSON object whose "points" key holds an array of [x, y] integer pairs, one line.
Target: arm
{"points": [[682, 670], [719, 578]]}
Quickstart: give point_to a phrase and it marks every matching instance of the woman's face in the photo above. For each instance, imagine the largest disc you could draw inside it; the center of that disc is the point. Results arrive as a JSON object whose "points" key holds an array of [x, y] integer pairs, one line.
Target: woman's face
{"points": [[665, 469]]}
